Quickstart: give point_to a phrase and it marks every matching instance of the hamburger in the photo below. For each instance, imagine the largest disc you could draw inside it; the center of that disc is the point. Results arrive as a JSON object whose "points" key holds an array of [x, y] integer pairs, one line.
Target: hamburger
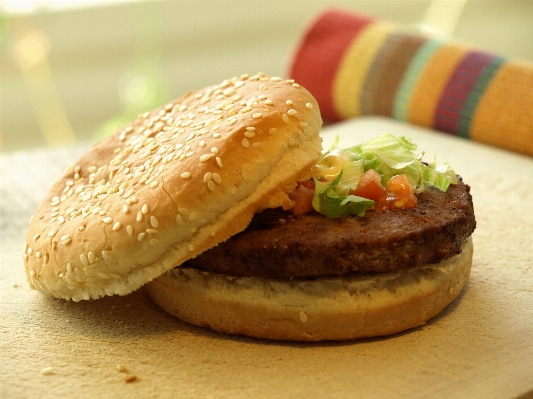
{"points": [[201, 200]]}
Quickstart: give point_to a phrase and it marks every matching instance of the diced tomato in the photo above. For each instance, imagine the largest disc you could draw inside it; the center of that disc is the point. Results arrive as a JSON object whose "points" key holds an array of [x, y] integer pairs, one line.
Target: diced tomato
{"points": [[369, 186], [400, 194], [303, 197]]}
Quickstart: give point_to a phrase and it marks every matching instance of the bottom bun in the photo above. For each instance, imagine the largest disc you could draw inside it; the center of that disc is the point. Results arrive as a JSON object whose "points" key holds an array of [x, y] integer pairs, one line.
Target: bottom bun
{"points": [[355, 305]]}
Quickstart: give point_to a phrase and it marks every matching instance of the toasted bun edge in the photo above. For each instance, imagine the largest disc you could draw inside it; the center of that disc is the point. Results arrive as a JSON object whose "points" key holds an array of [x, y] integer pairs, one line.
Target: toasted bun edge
{"points": [[331, 308]]}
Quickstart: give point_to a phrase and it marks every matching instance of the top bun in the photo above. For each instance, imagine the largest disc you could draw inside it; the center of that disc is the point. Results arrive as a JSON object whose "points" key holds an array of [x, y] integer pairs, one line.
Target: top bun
{"points": [[172, 184]]}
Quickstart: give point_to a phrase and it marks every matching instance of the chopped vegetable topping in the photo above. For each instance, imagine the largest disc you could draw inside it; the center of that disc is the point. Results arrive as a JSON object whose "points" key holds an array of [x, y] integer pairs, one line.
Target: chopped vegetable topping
{"points": [[303, 197], [383, 173]]}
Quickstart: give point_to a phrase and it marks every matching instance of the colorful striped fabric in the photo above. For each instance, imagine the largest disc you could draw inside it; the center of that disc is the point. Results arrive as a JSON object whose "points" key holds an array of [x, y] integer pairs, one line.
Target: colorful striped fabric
{"points": [[356, 66]]}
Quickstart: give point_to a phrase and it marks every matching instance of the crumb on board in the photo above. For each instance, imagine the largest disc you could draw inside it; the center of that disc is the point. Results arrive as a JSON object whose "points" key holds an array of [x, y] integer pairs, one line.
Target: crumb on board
{"points": [[122, 368], [130, 378], [47, 371]]}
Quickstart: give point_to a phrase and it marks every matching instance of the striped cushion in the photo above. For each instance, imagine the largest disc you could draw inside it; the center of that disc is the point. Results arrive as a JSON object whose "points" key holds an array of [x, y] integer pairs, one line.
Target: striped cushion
{"points": [[356, 66]]}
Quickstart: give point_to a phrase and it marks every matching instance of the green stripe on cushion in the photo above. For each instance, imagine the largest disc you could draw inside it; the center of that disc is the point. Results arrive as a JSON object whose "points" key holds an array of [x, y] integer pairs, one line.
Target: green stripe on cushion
{"points": [[474, 97], [412, 75]]}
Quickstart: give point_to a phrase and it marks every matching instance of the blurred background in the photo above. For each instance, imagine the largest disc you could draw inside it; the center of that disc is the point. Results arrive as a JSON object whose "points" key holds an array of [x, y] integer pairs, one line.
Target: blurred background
{"points": [[73, 71]]}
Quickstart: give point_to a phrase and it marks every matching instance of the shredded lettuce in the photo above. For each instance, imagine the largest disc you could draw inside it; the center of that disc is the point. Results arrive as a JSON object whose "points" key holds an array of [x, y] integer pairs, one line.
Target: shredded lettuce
{"points": [[389, 156], [332, 199]]}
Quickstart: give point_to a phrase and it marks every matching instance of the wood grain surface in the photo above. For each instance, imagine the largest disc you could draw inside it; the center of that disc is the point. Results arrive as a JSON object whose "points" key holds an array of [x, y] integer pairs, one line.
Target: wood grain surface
{"points": [[481, 346]]}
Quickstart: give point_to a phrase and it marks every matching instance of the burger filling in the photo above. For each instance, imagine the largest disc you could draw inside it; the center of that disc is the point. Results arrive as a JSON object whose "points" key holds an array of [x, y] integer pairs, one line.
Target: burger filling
{"points": [[416, 214], [381, 174]]}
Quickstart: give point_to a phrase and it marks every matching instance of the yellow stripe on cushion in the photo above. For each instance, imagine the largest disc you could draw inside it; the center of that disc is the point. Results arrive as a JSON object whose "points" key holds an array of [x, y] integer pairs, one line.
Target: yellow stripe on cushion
{"points": [[504, 114], [432, 82], [354, 66]]}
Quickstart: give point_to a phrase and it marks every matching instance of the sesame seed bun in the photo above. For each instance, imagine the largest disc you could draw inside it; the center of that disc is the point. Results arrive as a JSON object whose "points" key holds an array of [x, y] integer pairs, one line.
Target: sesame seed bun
{"points": [[353, 305], [174, 183]]}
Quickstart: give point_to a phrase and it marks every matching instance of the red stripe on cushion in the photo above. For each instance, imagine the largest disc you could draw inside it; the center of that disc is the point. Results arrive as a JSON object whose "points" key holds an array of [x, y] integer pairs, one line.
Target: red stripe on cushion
{"points": [[320, 53], [455, 95]]}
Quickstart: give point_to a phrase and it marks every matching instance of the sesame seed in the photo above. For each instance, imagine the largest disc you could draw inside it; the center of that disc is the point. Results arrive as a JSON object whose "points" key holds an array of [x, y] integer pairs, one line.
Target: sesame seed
{"points": [[205, 157], [269, 102], [289, 102], [216, 135], [309, 106], [129, 229], [185, 175], [69, 268], [36, 237], [292, 112], [125, 208], [47, 371], [202, 143], [211, 185], [214, 150], [303, 317], [154, 184], [151, 231], [231, 121], [208, 176], [193, 215], [45, 258], [81, 227], [262, 87], [103, 275], [105, 254], [91, 257], [38, 254], [154, 222], [154, 241], [116, 226], [219, 162], [246, 109], [107, 220], [245, 143], [183, 211], [261, 97], [230, 91], [256, 145], [179, 219], [249, 134], [66, 239], [139, 216], [285, 118], [84, 260], [122, 368], [52, 233], [217, 178], [257, 115], [144, 209], [141, 236]]}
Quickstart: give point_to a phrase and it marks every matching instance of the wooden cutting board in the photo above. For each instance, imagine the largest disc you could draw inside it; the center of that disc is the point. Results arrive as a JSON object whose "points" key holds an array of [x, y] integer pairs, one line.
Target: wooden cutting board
{"points": [[481, 346]]}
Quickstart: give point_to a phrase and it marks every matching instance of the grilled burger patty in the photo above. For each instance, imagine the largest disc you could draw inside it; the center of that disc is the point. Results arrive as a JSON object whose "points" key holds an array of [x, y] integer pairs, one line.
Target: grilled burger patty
{"points": [[280, 245]]}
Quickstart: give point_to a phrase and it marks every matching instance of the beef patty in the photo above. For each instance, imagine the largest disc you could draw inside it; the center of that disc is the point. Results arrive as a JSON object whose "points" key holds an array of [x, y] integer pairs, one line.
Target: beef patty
{"points": [[280, 245]]}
